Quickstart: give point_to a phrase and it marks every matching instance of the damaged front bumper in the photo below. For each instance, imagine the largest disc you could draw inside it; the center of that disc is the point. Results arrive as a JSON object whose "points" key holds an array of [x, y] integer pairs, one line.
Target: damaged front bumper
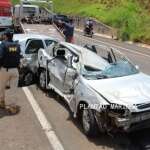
{"points": [[136, 121]]}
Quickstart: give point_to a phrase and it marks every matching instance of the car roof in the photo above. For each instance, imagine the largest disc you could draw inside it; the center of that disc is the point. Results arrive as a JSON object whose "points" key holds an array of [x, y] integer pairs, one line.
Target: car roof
{"points": [[22, 37], [87, 55], [79, 49], [74, 48]]}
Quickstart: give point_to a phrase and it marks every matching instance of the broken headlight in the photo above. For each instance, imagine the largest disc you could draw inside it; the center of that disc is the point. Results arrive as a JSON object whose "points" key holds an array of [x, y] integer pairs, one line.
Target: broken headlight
{"points": [[118, 110]]}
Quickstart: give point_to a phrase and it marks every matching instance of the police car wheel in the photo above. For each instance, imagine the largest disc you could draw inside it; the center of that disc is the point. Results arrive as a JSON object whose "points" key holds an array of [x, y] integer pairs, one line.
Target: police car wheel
{"points": [[89, 124], [28, 78]]}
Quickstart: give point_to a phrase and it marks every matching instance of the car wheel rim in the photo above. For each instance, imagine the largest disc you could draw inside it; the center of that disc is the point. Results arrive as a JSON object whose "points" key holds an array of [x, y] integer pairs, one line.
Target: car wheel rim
{"points": [[86, 120], [42, 80], [28, 78]]}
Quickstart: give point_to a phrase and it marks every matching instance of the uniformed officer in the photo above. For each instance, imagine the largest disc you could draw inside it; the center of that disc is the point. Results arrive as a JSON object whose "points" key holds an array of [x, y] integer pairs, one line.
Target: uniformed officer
{"points": [[69, 31], [9, 61]]}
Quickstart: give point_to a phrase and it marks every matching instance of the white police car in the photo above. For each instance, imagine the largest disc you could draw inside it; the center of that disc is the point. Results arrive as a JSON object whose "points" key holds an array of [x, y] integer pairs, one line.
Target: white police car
{"points": [[30, 44]]}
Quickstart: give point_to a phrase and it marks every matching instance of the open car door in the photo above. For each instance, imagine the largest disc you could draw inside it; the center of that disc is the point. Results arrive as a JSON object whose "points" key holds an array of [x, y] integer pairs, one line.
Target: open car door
{"points": [[71, 74]]}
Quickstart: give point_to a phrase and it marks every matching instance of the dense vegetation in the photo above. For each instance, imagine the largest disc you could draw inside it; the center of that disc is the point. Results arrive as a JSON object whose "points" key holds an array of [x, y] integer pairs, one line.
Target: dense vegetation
{"points": [[15, 1], [130, 17]]}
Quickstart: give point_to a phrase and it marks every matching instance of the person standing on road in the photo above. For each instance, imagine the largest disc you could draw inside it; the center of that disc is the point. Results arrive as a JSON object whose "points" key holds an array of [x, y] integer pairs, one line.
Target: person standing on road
{"points": [[69, 31], [9, 62]]}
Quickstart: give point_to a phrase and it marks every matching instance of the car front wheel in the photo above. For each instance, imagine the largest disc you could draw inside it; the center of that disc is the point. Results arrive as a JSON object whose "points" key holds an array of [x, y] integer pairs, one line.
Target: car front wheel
{"points": [[28, 79], [89, 122]]}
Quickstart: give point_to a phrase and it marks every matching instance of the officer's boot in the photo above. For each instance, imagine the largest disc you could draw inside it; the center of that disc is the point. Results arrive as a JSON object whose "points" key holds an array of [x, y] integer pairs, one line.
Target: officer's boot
{"points": [[2, 104], [12, 109]]}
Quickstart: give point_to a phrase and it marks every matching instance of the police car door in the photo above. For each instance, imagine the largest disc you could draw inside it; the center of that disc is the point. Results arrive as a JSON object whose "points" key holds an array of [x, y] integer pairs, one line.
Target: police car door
{"points": [[31, 52]]}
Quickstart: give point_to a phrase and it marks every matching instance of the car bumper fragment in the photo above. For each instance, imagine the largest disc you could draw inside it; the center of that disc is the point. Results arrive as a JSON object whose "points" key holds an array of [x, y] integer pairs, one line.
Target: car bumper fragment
{"points": [[135, 122]]}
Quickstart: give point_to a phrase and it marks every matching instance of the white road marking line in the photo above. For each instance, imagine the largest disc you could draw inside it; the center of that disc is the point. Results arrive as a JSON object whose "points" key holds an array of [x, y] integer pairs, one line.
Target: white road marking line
{"points": [[46, 125], [113, 45], [30, 29], [51, 29]]}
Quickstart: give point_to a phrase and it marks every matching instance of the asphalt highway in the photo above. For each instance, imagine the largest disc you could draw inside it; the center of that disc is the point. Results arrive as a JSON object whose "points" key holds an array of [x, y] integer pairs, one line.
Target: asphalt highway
{"points": [[45, 121]]}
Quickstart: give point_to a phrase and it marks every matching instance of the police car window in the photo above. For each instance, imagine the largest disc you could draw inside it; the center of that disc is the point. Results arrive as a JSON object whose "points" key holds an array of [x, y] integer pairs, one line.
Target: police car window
{"points": [[34, 46], [48, 42]]}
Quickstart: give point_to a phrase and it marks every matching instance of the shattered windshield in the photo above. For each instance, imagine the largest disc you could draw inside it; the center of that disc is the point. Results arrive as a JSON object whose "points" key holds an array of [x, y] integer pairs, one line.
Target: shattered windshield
{"points": [[100, 70]]}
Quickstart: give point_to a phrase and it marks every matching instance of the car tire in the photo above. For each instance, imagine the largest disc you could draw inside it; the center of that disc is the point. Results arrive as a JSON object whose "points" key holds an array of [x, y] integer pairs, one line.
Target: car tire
{"points": [[42, 79], [28, 78], [89, 124]]}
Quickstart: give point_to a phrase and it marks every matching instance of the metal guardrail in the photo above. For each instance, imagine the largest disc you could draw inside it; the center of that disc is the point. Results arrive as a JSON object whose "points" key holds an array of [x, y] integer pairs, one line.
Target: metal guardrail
{"points": [[61, 33], [99, 27]]}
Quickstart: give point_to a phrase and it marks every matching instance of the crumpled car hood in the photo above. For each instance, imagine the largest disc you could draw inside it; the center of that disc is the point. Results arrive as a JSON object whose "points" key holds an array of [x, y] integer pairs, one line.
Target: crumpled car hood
{"points": [[129, 90]]}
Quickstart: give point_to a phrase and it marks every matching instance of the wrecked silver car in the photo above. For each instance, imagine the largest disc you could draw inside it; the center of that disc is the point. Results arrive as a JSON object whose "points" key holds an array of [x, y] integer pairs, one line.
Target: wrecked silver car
{"points": [[30, 44], [107, 91]]}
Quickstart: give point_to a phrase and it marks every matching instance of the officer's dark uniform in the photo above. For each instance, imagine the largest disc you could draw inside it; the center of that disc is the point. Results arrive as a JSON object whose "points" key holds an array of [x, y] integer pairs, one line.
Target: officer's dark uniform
{"points": [[9, 61], [69, 31]]}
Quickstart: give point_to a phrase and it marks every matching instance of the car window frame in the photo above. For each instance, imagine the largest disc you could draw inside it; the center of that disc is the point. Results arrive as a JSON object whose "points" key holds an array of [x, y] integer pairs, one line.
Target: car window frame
{"points": [[31, 40]]}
